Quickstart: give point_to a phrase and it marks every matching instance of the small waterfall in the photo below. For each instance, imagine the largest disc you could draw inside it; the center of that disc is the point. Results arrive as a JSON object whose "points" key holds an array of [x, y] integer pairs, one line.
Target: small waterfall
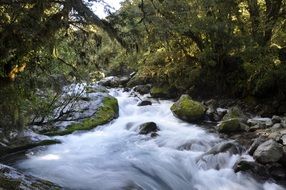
{"points": [[115, 156]]}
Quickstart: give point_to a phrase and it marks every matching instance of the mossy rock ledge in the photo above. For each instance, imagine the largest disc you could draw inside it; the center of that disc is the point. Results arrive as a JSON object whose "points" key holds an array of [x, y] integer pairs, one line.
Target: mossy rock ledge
{"points": [[188, 110], [233, 122], [11, 179], [108, 111], [230, 126], [164, 92]]}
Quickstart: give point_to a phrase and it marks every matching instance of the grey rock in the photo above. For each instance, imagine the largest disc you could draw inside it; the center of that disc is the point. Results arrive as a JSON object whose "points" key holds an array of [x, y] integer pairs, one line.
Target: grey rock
{"points": [[230, 147], [254, 145], [276, 119], [283, 160], [277, 171], [268, 124], [251, 167], [268, 152], [274, 135], [147, 128], [276, 126], [235, 112], [261, 122], [254, 128], [142, 89], [283, 140], [144, 103], [114, 81], [10, 178]]}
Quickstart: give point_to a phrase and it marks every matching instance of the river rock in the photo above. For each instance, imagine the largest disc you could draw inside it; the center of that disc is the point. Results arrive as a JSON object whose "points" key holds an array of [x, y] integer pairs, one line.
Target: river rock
{"points": [[263, 123], [147, 128], [95, 89], [187, 109], [142, 89], [163, 91], [251, 167], [138, 79], [114, 81], [276, 126], [231, 147], [283, 160], [276, 119], [254, 145], [277, 171], [11, 179], [254, 128], [268, 152], [283, 140], [211, 114], [230, 126], [235, 112], [215, 114], [144, 103]]}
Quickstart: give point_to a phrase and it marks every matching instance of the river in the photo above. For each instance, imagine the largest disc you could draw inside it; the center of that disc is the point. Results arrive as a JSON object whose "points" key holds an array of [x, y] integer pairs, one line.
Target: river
{"points": [[114, 156]]}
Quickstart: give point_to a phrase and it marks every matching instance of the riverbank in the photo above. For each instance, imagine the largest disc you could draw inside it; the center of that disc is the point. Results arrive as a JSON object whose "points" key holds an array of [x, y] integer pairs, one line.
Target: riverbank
{"points": [[263, 135], [252, 133], [145, 148]]}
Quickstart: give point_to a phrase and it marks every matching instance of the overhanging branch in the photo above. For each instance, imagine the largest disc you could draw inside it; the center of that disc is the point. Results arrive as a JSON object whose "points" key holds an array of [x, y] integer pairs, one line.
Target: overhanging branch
{"points": [[89, 16]]}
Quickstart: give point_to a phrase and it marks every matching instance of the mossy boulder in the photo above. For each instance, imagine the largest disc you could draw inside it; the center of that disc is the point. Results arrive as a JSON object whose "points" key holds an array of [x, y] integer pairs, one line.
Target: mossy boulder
{"points": [[142, 89], [233, 121], [230, 126], [148, 128], [106, 112], [10, 178], [114, 81], [251, 167], [187, 109], [235, 112], [163, 91], [138, 79]]}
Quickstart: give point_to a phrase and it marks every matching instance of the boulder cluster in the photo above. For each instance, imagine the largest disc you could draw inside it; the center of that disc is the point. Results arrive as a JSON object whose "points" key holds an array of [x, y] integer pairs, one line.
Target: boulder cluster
{"points": [[263, 138]]}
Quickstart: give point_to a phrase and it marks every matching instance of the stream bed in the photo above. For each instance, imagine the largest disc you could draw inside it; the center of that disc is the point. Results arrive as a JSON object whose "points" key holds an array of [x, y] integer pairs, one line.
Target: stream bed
{"points": [[114, 156]]}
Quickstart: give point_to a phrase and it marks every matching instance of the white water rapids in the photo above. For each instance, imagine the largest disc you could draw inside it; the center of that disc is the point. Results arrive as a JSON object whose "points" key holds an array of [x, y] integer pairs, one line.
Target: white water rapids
{"points": [[115, 156]]}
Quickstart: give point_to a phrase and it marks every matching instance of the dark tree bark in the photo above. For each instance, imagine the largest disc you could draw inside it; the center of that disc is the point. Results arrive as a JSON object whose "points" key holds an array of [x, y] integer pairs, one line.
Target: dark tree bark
{"points": [[254, 11], [262, 32], [272, 14]]}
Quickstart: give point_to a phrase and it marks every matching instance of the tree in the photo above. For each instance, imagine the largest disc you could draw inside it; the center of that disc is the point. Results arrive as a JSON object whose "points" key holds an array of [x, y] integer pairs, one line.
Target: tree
{"points": [[28, 25]]}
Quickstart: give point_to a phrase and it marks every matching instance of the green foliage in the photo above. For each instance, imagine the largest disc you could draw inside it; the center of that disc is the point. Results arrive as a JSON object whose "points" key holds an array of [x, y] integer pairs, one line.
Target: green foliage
{"points": [[209, 47]]}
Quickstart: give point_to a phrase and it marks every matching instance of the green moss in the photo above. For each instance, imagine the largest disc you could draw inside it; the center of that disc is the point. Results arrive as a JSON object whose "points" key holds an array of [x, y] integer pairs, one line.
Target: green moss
{"points": [[158, 90], [48, 142], [9, 183], [25, 146], [245, 166], [43, 184], [229, 126], [89, 90], [187, 109], [234, 112], [161, 92], [105, 113]]}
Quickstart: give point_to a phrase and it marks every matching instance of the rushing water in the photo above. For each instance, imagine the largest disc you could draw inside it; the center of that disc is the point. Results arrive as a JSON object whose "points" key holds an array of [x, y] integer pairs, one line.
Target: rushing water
{"points": [[114, 156]]}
